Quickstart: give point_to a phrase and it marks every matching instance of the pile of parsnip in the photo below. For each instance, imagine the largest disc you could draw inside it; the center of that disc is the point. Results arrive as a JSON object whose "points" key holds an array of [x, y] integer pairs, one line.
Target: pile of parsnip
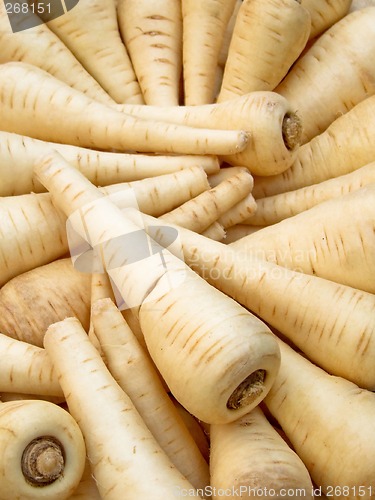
{"points": [[187, 250]]}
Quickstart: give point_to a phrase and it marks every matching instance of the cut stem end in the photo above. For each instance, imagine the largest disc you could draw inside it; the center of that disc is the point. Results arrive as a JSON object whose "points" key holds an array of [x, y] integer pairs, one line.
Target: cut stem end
{"points": [[292, 131], [248, 390], [43, 461]]}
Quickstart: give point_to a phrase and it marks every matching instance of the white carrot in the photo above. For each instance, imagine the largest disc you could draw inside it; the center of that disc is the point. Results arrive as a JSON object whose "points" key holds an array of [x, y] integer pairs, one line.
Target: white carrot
{"points": [[228, 35], [42, 452], [40, 47], [215, 232], [26, 369], [136, 375], [152, 33], [325, 14], [200, 212], [36, 231], [345, 146], [126, 460], [320, 241], [239, 212], [30, 302], [87, 489], [261, 53], [333, 324], [330, 423], [28, 91], [273, 209], [165, 293], [195, 429], [91, 32], [18, 154], [273, 125], [326, 73], [248, 458], [204, 25], [238, 231]]}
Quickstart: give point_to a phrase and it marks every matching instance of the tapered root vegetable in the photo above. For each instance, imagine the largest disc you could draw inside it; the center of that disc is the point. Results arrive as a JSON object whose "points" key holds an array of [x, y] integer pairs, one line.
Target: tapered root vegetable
{"points": [[239, 212], [301, 307], [101, 288], [136, 375], [18, 154], [204, 25], [273, 125], [261, 53], [215, 232], [195, 429], [360, 4], [336, 73], [345, 146], [249, 456], [152, 33], [32, 301], [238, 231], [36, 232], [330, 423], [25, 245], [40, 47], [27, 91], [90, 31], [228, 35], [87, 489], [226, 357], [320, 241], [200, 212], [126, 460], [273, 209], [42, 451], [325, 14], [26, 369]]}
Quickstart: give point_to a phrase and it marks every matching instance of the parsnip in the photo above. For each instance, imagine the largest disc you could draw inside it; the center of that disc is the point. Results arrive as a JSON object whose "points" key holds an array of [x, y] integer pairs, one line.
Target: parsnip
{"points": [[330, 423], [42, 452], [136, 375], [345, 146], [200, 212], [91, 32], [302, 307], [321, 242], [125, 458], [325, 14], [28, 91], [152, 33], [32, 301], [273, 209], [267, 38], [26, 369], [18, 154], [39, 46], [35, 231], [204, 25], [227, 354], [248, 458], [274, 127], [336, 73]]}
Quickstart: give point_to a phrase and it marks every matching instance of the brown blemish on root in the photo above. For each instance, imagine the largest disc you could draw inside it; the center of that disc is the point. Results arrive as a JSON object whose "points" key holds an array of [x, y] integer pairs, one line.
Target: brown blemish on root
{"points": [[43, 461], [248, 390], [292, 131]]}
